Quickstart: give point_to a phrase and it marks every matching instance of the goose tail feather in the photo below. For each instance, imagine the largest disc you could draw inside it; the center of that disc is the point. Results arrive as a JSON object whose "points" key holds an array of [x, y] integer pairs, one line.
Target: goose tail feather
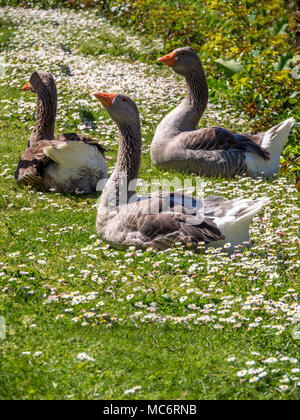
{"points": [[273, 142], [233, 218], [250, 209], [275, 138]]}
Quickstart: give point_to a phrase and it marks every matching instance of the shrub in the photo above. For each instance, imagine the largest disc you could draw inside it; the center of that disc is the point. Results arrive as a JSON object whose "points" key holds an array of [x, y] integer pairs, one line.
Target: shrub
{"points": [[247, 33], [50, 3]]}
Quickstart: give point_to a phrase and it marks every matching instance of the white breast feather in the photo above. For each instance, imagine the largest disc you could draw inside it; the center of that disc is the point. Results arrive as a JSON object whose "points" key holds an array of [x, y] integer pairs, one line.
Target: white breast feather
{"points": [[71, 158]]}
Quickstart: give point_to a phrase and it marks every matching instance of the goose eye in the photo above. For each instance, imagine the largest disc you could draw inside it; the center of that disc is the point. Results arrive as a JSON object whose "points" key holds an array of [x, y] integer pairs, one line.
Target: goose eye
{"points": [[124, 100], [182, 53]]}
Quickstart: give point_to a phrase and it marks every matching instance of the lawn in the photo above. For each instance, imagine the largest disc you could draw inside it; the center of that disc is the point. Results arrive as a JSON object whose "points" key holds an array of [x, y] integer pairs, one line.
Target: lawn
{"points": [[86, 321]]}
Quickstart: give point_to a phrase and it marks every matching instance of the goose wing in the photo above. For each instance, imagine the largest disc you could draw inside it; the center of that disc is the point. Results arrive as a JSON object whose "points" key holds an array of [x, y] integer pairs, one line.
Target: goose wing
{"points": [[80, 137], [32, 163], [257, 138], [214, 163], [161, 230], [216, 138], [179, 228]]}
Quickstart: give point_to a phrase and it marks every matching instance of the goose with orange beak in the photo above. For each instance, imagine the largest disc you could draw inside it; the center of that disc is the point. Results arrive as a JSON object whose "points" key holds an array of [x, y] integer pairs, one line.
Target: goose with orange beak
{"points": [[160, 220], [211, 151], [72, 163]]}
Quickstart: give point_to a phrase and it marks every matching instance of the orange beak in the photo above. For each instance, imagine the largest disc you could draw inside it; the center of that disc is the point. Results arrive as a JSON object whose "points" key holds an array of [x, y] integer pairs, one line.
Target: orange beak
{"points": [[105, 98], [168, 59], [26, 87]]}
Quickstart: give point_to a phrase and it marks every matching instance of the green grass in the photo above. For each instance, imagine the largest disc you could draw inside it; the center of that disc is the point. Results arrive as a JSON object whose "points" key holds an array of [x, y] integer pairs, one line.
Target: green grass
{"points": [[49, 251], [167, 362], [6, 33]]}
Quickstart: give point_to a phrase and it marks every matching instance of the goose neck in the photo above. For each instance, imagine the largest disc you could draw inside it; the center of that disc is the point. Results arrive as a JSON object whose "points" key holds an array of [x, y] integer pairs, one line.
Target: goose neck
{"points": [[129, 154], [45, 119], [122, 183], [186, 116], [197, 97]]}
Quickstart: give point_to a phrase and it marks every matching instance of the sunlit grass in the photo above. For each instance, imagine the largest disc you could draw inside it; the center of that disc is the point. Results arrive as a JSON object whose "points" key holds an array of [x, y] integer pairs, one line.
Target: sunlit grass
{"points": [[178, 325]]}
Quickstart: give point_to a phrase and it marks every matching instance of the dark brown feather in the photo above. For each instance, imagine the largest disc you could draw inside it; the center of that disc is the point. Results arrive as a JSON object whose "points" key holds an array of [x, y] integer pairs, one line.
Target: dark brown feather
{"points": [[216, 138], [163, 224], [80, 137], [32, 163]]}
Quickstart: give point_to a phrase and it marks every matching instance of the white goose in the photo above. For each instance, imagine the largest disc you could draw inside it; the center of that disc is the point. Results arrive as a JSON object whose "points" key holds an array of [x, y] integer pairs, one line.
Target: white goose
{"points": [[212, 151], [73, 163], [161, 219]]}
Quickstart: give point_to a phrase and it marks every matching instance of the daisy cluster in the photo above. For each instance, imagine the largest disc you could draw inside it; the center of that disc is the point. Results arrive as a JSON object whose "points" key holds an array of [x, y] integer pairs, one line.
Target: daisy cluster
{"points": [[205, 291], [280, 371]]}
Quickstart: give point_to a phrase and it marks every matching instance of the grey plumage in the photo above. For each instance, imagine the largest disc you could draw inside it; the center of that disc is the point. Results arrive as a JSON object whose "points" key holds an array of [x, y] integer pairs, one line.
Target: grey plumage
{"points": [[226, 163]]}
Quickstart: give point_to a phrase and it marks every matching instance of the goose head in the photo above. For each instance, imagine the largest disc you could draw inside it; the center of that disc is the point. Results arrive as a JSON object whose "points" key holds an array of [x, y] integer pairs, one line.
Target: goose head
{"points": [[181, 60], [40, 83], [121, 108]]}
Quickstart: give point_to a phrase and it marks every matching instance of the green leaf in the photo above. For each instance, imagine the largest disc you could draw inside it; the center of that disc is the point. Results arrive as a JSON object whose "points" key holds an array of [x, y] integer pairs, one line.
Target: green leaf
{"points": [[284, 62], [294, 94], [280, 28], [230, 67], [256, 52]]}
